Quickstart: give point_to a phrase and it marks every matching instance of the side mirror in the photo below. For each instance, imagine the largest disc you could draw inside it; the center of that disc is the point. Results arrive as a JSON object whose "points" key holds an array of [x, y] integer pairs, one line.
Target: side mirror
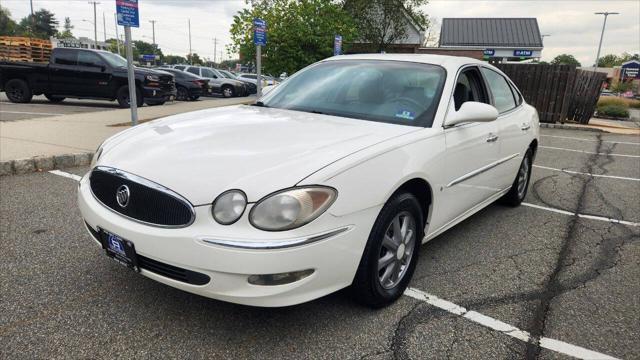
{"points": [[472, 111]]}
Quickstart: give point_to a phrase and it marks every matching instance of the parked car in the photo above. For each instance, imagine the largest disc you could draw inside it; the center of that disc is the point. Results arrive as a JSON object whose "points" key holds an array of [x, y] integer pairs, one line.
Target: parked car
{"points": [[254, 79], [189, 86], [219, 84], [252, 88], [83, 74], [314, 188]]}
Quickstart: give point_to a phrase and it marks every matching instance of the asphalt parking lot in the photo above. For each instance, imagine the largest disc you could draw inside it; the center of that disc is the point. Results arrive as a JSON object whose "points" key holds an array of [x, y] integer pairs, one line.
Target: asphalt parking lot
{"points": [[40, 107], [555, 277]]}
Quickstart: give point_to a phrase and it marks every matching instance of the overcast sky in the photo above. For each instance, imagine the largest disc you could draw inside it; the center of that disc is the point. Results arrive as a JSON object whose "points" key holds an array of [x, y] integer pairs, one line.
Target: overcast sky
{"points": [[572, 25]]}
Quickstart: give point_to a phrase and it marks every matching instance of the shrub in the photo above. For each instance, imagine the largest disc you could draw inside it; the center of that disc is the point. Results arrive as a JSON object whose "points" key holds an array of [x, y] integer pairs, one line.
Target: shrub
{"points": [[613, 100], [613, 111]]}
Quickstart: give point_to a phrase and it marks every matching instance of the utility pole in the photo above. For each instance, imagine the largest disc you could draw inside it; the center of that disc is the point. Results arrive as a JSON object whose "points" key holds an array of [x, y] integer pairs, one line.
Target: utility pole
{"points": [[595, 66], [104, 27], [190, 57], [153, 37], [115, 19], [95, 24], [215, 44], [33, 18]]}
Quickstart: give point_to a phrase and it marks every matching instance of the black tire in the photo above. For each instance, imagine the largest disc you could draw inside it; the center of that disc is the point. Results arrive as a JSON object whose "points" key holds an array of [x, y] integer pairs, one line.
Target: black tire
{"points": [[54, 99], [228, 91], [516, 194], [182, 93], [367, 287], [194, 98], [155, 103], [123, 97], [18, 91]]}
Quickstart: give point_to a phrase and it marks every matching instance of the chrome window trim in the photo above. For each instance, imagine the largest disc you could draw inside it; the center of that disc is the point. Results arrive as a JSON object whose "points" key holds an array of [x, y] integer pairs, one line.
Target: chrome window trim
{"points": [[148, 183], [481, 170], [274, 244]]}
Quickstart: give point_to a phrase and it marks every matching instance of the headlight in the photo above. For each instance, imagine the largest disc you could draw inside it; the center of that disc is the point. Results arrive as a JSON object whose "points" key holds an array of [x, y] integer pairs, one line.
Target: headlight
{"points": [[153, 77], [229, 206], [291, 208]]}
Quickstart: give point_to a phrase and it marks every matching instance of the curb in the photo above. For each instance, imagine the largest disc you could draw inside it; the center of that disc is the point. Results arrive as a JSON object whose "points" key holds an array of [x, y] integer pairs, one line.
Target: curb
{"points": [[44, 163], [570, 127]]}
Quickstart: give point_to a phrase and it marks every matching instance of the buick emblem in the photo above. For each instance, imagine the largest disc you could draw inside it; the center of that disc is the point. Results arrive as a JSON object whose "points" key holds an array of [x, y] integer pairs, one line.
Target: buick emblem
{"points": [[122, 196]]}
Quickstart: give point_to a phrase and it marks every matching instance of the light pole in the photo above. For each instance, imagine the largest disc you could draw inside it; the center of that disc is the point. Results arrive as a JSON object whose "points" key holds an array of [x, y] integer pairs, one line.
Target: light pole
{"points": [[115, 19], [95, 24], [190, 56], [153, 34], [606, 14], [543, 36]]}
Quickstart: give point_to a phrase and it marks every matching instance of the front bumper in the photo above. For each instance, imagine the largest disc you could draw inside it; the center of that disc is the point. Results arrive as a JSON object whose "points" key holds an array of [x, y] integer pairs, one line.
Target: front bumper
{"points": [[334, 259], [159, 93]]}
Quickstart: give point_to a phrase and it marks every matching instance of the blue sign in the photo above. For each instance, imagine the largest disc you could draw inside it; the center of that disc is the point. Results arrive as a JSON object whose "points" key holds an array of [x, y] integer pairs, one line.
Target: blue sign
{"points": [[148, 57], [337, 45], [630, 70], [127, 13], [489, 52], [522, 52], [259, 32]]}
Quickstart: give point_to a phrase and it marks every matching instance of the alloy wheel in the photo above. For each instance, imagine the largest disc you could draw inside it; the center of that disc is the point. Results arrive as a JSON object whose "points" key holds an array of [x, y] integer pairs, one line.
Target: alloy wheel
{"points": [[227, 92], [397, 249]]}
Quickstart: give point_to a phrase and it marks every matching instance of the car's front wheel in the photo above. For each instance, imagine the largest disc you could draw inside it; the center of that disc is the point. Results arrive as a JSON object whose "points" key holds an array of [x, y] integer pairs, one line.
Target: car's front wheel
{"points": [[391, 253]]}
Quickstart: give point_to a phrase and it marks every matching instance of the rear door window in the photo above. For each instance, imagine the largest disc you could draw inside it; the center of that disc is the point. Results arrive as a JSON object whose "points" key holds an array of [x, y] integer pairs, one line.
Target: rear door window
{"points": [[66, 58], [194, 70], [502, 96], [208, 73]]}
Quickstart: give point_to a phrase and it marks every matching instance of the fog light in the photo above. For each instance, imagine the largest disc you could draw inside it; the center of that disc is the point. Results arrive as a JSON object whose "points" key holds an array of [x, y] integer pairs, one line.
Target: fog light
{"points": [[279, 279]]}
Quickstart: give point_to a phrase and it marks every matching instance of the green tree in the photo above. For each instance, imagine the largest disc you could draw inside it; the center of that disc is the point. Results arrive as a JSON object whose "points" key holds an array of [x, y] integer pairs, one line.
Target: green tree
{"points": [[626, 57], [42, 24], [194, 59], [66, 33], [565, 59], [7, 25], [174, 59], [609, 60], [298, 32], [384, 22]]}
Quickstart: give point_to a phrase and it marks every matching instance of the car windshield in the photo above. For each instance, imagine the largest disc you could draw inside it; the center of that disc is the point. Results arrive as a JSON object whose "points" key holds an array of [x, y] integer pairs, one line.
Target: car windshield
{"points": [[377, 90], [226, 74], [114, 60]]}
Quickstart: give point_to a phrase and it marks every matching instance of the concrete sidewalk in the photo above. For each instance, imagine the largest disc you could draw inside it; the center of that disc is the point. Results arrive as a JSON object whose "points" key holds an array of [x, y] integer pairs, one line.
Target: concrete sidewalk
{"points": [[53, 141]]}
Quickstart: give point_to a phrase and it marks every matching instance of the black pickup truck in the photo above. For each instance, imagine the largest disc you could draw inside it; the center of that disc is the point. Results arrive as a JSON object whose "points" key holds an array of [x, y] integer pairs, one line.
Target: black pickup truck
{"points": [[83, 74]]}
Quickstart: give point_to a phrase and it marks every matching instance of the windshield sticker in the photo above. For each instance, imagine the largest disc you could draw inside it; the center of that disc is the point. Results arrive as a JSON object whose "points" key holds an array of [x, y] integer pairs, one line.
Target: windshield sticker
{"points": [[406, 114]]}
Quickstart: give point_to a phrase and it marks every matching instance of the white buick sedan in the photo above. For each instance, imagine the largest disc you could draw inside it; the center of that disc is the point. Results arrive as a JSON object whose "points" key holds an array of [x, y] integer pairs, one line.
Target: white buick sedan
{"points": [[333, 179]]}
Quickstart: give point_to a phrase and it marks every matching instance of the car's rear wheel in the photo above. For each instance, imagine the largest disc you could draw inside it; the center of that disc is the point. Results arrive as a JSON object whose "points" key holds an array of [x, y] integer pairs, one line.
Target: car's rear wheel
{"points": [[18, 91], [518, 190], [123, 97], [54, 99], [391, 253]]}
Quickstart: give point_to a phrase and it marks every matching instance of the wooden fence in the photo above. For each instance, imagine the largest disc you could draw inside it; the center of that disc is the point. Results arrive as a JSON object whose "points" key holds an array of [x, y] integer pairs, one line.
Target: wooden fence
{"points": [[558, 92]]}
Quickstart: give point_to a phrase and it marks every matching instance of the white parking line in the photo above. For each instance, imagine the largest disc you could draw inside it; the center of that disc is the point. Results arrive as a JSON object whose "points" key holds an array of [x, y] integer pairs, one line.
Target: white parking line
{"points": [[587, 152], [497, 325], [28, 113], [584, 216], [588, 174], [593, 140], [66, 174]]}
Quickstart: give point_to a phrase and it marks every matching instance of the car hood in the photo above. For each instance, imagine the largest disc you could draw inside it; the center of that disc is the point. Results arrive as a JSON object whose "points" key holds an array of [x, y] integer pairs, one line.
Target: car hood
{"points": [[258, 150]]}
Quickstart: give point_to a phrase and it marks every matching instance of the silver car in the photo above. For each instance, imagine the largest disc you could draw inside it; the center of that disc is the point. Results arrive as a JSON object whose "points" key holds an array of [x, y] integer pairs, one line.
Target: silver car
{"points": [[219, 84]]}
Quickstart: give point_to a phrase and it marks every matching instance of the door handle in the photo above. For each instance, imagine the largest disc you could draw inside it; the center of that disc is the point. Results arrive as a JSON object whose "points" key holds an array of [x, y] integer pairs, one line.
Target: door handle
{"points": [[525, 126], [492, 138]]}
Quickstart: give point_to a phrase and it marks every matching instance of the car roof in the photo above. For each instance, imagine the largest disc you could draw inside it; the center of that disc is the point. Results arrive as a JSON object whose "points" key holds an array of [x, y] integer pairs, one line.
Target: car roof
{"points": [[442, 60]]}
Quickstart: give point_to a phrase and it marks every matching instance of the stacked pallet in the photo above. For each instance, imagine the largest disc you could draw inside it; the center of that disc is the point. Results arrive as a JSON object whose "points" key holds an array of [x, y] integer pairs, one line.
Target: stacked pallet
{"points": [[14, 48]]}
